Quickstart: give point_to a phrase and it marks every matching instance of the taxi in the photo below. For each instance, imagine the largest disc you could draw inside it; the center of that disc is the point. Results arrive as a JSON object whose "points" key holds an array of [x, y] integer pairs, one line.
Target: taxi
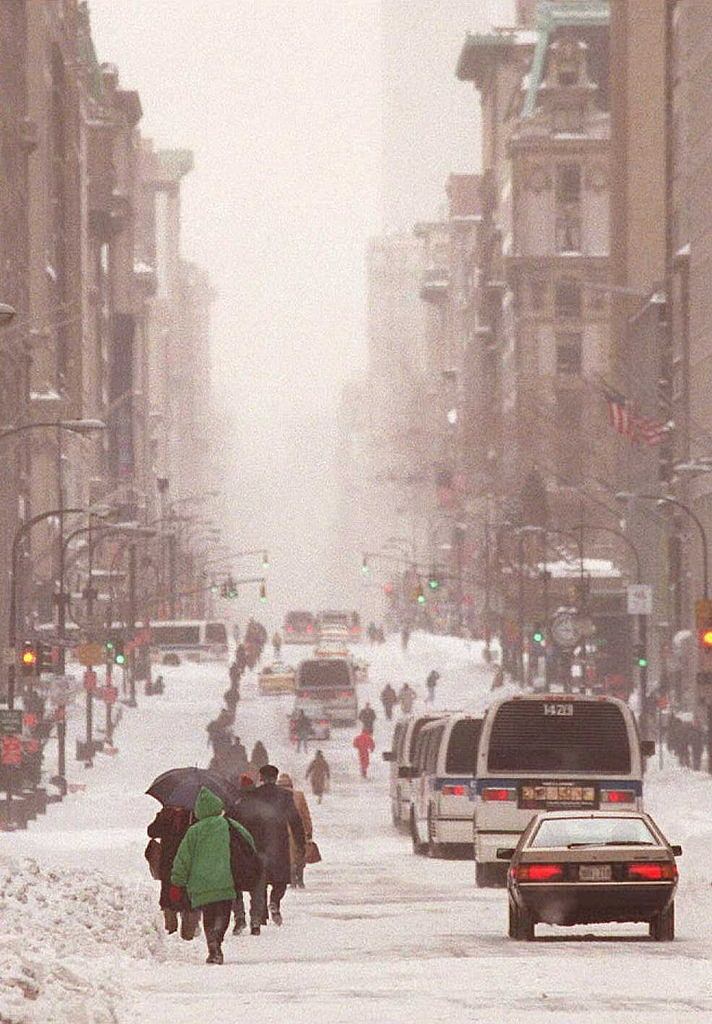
{"points": [[275, 679]]}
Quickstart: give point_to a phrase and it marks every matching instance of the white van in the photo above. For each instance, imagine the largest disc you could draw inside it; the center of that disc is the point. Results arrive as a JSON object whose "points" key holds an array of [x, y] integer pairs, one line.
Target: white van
{"points": [[444, 786], [400, 756]]}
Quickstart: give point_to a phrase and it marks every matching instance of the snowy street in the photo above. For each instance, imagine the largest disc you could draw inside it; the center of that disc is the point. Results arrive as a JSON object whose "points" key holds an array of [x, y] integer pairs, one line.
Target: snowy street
{"points": [[378, 934]]}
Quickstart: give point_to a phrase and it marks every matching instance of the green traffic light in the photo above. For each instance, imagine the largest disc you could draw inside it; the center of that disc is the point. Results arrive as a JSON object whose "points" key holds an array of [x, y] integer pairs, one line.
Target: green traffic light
{"points": [[642, 662], [538, 637], [120, 659], [433, 584], [421, 598]]}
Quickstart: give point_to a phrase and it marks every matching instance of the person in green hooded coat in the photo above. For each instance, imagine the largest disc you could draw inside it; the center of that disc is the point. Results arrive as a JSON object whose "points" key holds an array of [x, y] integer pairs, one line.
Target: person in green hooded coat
{"points": [[202, 868]]}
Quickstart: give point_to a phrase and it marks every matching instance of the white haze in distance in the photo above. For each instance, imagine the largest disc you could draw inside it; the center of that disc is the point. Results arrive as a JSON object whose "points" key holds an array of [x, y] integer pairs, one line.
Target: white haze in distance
{"points": [[281, 101]]}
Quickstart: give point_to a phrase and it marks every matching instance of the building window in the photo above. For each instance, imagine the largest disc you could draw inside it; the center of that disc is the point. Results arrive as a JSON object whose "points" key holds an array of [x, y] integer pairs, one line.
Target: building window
{"points": [[568, 353], [568, 297], [568, 232], [568, 183]]}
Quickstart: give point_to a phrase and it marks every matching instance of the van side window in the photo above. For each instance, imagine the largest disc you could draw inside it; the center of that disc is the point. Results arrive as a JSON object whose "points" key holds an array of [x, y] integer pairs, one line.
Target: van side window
{"points": [[433, 749], [462, 747], [398, 741]]}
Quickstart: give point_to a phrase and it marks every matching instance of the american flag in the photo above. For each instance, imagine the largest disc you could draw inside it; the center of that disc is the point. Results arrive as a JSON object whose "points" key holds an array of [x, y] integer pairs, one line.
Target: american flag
{"points": [[638, 429]]}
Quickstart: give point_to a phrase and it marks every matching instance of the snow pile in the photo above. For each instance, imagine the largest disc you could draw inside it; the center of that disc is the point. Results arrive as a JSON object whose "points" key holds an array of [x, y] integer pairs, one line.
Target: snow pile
{"points": [[60, 932]]}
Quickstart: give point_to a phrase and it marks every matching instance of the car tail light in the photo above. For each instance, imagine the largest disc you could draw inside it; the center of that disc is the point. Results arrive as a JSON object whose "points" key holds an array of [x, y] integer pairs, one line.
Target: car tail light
{"points": [[344, 693], [290, 629], [454, 790], [310, 629], [498, 795], [617, 796], [652, 872], [538, 872]]}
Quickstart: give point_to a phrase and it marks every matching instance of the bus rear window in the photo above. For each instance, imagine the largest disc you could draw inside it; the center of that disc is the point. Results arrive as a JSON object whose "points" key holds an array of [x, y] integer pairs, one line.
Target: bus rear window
{"points": [[417, 727], [328, 674], [532, 736], [215, 633], [462, 749]]}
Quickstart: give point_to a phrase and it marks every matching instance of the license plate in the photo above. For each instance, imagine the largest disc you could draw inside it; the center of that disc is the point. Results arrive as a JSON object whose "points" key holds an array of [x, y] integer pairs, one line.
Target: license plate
{"points": [[594, 872], [554, 795]]}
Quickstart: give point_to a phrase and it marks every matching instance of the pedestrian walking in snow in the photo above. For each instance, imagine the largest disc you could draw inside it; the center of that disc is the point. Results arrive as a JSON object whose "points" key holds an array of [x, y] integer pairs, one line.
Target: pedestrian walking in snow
{"points": [[302, 730], [406, 696], [430, 683], [405, 637], [365, 746], [280, 815], [367, 717], [234, 673], [297, 857], [319, 775], [259, 757], [168, 828], [388, 698], [202, 869], [253, 817], [277, 645]]}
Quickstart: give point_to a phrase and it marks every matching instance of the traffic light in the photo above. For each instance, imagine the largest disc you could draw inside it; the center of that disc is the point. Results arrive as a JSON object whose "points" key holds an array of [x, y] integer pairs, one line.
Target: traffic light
{"points": [[364, 566], [538, 637], [109, 645], [641, 658], [420, 594], [28, 658], [214, 588], [45, 658], [263, 593], [265, 560], [119, 653], [705, 637], [433, 581]]}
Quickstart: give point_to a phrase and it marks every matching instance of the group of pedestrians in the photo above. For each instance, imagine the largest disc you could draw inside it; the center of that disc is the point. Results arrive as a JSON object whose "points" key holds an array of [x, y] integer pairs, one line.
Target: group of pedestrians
{"points": [[259, 843], [230, 758], [405, 698]]}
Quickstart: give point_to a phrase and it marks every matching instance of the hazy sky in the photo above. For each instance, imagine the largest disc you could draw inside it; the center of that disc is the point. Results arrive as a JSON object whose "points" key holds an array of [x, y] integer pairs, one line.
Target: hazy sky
{"points": [[280, 100]]}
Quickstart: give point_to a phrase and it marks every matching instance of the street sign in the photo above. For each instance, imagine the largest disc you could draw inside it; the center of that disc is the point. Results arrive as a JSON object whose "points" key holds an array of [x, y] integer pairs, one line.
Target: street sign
{"points": [[640, 599], [703, 613], [565, 630], [90, 654], [10, 722]]}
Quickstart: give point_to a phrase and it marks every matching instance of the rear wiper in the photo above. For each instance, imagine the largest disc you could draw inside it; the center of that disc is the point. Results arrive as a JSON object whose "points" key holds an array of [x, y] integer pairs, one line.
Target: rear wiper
{"points": [[624, 842]]}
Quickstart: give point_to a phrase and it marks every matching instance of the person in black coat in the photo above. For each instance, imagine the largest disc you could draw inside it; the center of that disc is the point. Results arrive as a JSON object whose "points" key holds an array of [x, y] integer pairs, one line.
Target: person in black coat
{"points": [[169, 826], [276, 811], [252, 816]]}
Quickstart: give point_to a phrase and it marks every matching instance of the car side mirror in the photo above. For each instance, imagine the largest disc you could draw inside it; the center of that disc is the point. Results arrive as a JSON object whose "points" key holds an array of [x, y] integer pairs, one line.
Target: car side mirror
{"points": [[505, 852], [647, 748], [387, 755], [676, 851]]}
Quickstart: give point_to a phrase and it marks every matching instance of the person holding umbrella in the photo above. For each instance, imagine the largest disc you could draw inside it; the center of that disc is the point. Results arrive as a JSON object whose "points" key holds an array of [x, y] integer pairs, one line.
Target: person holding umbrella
{"points": [[168, 827], [202, 869]]}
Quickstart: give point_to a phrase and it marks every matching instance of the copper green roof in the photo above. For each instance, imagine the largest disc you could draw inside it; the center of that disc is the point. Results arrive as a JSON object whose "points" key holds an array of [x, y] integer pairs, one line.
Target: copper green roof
{"points": [[479, 48], [553, 14]]}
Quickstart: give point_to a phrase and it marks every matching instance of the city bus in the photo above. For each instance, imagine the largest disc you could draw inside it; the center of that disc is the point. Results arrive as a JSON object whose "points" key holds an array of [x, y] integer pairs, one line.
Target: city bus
{"points": [[191, 639], [299, 628], [546, 752]]}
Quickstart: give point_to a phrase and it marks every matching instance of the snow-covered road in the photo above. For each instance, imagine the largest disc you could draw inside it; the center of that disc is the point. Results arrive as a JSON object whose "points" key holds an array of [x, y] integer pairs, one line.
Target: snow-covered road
{"points": [[377, 935]]}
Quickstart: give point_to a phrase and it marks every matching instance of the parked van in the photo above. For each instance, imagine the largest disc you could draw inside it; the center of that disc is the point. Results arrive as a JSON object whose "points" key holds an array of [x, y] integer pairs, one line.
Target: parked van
{"points": [[400, 756], [444, 786]]}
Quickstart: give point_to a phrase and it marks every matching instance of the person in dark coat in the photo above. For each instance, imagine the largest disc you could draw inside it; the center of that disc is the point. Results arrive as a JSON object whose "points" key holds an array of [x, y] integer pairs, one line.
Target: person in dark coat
{"points": [[319, 774], [276, 809], [259, 756], [367, 717], [252, 817], [389, 698], [302, 730], [235, 674], [169, 826]]}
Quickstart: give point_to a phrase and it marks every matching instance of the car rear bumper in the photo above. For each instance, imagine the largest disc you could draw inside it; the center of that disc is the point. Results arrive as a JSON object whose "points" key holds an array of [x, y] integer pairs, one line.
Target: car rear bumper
{"points": [[575, 903], [487, 843]]}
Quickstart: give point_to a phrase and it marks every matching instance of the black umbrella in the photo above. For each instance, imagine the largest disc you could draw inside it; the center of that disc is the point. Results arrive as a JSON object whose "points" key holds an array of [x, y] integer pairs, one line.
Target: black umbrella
{"points": [[179, 787]]}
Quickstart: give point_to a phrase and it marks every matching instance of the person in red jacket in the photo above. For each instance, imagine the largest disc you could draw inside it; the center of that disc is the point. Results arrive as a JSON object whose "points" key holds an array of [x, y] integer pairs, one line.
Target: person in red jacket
{"points": [[365, 746]]}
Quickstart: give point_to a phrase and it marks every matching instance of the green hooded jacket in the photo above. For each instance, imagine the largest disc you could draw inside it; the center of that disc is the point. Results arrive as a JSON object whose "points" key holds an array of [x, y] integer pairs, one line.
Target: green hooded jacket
{"points": [[202, 864]]}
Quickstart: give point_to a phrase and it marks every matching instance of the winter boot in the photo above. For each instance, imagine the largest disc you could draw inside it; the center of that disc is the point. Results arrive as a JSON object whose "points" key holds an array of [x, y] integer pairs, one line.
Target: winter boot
{"points": [[255, 929], [189, 922], [170, 919], [214, 953], [240, 925], [275, 914]]}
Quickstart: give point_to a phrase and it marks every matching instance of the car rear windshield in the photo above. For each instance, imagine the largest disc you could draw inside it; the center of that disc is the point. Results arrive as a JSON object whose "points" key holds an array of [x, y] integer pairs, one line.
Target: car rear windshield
{"points": [[559, 736], [175, 635], [462, 749], [216, 633], [596, 831], [325, 675]]}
